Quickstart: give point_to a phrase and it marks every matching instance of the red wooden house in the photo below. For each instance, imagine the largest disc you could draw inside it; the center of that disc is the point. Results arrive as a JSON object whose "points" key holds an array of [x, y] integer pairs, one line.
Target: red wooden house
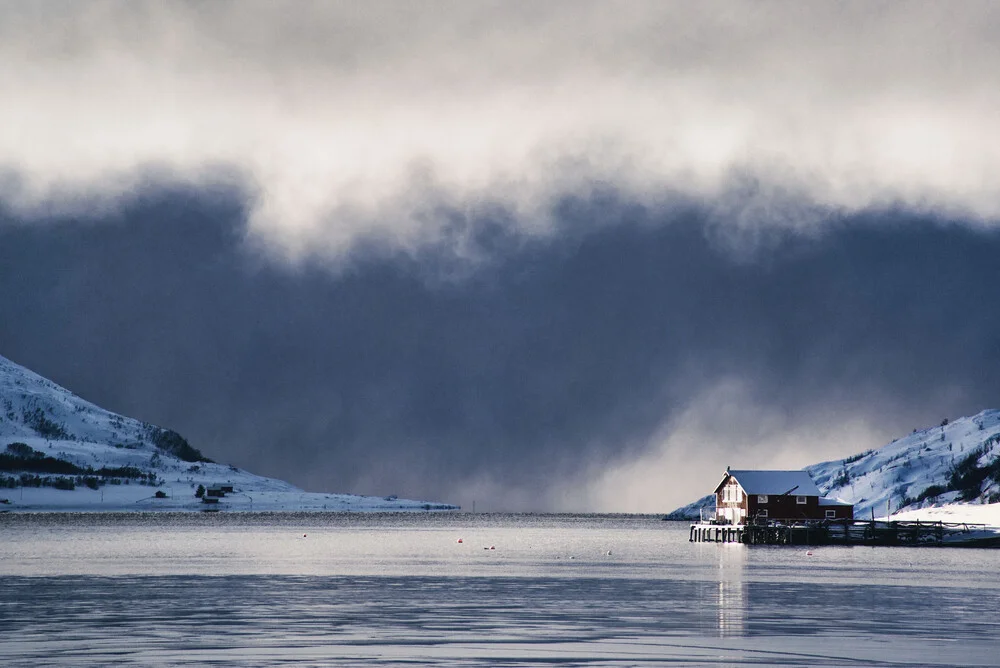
{"points": [[774, 495]]}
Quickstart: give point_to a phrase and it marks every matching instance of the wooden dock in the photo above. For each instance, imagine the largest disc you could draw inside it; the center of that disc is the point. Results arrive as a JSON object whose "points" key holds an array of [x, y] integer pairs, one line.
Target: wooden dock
{"points": [[847, 532]]}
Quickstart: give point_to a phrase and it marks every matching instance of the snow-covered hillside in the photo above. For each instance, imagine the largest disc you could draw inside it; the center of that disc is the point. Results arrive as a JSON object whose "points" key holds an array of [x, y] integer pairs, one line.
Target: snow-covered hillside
{"points": [[60, 452], [956, 462]]}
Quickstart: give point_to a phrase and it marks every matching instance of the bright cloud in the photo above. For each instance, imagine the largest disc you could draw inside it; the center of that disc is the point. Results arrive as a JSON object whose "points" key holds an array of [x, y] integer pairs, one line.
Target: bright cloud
{"points": [[349, 120], [723, 426]]}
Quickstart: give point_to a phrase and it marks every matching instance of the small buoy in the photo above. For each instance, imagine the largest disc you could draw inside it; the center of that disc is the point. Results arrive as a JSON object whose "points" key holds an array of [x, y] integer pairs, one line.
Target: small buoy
{"points": [[609, 553], [809, 554], [492, 547], [459, 540], [303, 535], [572, 557]]}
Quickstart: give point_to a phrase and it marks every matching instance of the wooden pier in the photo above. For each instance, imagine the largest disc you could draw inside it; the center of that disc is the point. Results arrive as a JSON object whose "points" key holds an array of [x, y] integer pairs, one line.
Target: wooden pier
{"points": [[847, 532], [717, 533]]}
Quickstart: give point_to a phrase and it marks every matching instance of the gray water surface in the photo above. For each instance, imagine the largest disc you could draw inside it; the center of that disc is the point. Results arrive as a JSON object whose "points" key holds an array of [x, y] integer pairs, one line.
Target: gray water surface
{"points": [[317, 590]]}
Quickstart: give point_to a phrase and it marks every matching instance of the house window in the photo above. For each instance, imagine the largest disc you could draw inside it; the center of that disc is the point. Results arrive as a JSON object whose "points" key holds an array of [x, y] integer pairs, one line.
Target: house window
{"points": [[831, 514], [801, 500], [762, 498], [762, 512]]}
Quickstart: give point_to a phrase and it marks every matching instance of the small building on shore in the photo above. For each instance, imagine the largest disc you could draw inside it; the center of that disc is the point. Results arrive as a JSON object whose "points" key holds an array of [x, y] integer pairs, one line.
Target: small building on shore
{"points": [[774, 495]]}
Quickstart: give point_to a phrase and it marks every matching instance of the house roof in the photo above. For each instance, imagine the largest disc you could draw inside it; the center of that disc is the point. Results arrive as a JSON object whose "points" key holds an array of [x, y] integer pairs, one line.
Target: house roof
{"points": [[774, 482]]}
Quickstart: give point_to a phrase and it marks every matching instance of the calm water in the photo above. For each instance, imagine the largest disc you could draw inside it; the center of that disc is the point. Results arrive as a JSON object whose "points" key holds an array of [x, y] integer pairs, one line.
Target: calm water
{"points": [[394, 590]]}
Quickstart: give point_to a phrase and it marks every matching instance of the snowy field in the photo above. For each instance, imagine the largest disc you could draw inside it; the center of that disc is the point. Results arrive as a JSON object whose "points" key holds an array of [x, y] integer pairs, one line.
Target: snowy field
{"points": [[180, 497], [988, 514]]}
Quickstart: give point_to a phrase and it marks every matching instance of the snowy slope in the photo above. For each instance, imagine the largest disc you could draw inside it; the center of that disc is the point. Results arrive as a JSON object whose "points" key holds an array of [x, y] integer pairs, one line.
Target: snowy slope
{"points": [[954, 464], [50, 437], [693, 510]]}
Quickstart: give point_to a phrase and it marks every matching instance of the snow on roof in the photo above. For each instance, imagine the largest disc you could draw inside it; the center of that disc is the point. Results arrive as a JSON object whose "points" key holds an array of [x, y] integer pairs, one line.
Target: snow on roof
{"points": [[776, 482], [827, 501]]}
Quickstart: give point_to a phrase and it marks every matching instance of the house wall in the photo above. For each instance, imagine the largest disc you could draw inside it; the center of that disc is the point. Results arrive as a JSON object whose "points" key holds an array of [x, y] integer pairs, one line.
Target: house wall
{"points": [[731, 502], [786, 507], [841, 512]]}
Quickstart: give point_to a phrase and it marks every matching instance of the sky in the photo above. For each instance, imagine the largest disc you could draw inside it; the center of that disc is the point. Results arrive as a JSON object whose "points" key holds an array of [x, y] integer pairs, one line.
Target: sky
{"points": [[566, 257]]}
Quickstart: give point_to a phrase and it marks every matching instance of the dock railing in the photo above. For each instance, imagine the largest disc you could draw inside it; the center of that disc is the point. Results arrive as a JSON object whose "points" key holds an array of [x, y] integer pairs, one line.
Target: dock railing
{"points": [[845, 532], [711, 516]]}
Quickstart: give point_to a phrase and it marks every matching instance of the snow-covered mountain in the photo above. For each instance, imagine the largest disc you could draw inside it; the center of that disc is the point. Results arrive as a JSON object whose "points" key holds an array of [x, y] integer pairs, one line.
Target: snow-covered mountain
{"points": [[953, 463], [61, 452]]}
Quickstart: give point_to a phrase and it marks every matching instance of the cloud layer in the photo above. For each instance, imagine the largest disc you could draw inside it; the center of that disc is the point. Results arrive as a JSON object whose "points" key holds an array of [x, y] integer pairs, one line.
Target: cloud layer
{"points": [[357, 122]]}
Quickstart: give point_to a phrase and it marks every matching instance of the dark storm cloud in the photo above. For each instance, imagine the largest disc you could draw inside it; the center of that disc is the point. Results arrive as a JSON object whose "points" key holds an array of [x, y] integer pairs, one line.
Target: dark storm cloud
{"points": [[541, 365]]}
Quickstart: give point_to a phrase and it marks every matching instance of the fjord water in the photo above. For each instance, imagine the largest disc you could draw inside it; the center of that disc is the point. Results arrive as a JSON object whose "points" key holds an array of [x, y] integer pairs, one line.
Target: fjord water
{"points": [[396, 589]]}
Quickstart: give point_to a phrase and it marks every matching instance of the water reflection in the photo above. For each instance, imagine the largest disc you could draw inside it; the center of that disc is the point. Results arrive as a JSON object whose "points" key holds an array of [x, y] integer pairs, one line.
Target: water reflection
{"points": [[732, 602]]}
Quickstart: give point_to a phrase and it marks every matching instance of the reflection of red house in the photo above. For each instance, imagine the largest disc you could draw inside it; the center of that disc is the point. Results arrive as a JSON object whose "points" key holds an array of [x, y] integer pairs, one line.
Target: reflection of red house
{"points": [[780, 495]]}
